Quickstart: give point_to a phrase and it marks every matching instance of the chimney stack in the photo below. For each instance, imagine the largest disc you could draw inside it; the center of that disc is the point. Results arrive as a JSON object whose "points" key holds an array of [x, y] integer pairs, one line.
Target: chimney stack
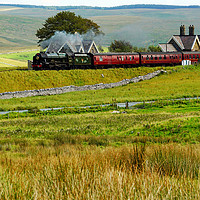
{"points": [[191, 30], [182, 30]]}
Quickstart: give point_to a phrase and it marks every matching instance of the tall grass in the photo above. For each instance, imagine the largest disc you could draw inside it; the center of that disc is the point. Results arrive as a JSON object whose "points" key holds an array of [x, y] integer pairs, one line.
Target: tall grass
{"points": [[77, 172]]}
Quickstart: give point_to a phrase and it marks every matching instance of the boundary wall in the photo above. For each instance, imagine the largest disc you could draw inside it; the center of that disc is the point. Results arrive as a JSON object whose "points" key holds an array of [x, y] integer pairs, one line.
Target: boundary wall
{"points": [[72, 88]]}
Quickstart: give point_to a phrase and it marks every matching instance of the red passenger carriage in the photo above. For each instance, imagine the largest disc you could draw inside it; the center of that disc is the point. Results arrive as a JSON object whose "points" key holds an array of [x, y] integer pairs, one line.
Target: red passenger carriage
{"points": [[160, 58], [106, 60], [194, 56]]}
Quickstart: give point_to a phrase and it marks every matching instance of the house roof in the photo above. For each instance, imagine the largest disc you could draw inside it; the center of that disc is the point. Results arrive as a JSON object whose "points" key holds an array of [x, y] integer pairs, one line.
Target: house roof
{"points": [[167, 47], [184, 42], [71, 43]]}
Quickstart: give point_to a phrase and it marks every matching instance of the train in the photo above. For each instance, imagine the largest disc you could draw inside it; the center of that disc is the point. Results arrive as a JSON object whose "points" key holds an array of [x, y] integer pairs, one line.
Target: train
{"points": [[58, 61]]}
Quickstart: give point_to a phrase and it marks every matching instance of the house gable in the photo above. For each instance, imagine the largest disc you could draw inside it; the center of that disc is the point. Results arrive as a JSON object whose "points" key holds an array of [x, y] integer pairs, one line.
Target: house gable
{"points": [[196, 44], [176, 42]]}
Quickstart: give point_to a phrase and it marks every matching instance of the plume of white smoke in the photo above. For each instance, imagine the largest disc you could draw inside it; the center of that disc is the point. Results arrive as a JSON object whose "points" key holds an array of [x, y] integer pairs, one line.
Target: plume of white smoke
{"points": [[60, 38]]}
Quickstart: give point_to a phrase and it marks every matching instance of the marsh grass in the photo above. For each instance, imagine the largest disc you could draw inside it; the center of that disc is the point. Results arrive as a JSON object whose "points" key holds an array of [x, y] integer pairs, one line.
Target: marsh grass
{"points": [[172, 122], [78, 172]]}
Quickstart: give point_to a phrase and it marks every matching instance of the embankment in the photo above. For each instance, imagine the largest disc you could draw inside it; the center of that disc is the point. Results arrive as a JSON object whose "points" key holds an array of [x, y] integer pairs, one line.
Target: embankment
{"points": [[72, 88]]}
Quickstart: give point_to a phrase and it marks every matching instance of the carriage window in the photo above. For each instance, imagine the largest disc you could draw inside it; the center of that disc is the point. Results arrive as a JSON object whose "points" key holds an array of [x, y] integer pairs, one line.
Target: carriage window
{"points": [[130, 57], [160, 58], [190, 57], [179, 57], [142, 57], [101, 58], [151, 57], [126, 58], [197, 56], [193, 56], [133, 57], [147, 58], [122, 58], [176, 57], [156, 58], [165, 57]]}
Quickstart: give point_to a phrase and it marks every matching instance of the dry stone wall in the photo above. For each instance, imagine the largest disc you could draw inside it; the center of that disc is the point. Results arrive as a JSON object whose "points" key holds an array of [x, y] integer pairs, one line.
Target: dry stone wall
{"points": [[72, 88]]}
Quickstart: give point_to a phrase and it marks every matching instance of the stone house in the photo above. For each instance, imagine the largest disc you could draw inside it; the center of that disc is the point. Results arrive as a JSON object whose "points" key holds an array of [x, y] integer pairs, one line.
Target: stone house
{"points": [[182, 42]]}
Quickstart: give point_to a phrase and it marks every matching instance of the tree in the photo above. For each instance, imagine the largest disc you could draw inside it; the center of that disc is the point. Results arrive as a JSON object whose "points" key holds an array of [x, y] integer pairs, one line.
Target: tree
{"points": [[68, 22], [153, 48], [120, 46]]}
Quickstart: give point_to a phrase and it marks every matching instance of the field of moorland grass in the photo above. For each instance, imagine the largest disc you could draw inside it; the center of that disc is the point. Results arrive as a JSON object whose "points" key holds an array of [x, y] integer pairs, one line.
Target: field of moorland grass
{"points": [[162, 122], [141, 154], [179, 82], [148, 152], [78, 172], [21, 56], [11, 64], [30, 80]]}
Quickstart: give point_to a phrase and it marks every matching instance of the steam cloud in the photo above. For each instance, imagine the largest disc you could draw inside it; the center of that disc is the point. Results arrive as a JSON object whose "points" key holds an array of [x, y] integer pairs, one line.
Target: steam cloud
{"points": [[61, 37]]}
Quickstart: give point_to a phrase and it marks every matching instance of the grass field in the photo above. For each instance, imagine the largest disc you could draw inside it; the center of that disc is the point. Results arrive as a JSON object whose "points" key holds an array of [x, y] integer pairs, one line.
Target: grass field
{"points": [[176, 84], [140, 153], [28, 80], [150, 151]]}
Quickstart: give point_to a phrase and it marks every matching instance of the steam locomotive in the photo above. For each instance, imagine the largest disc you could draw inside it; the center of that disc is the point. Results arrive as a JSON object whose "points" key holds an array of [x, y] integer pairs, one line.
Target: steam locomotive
{"points": [[77, 60]]}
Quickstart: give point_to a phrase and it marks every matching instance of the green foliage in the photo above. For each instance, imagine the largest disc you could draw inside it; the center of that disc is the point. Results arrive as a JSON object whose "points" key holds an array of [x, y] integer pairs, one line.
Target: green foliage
{"points": [[153, 48], [120, 46], [124, 46], [68, 22]]}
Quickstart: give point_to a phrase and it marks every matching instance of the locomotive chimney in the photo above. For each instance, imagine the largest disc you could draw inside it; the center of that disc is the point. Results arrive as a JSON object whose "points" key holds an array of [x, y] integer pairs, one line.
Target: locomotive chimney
{"points": [[182, 30], [191, 30]]}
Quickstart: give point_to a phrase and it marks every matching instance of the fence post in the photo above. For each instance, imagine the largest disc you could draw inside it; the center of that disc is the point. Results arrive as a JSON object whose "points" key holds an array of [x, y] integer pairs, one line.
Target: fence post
{"points": [[127, 105]]}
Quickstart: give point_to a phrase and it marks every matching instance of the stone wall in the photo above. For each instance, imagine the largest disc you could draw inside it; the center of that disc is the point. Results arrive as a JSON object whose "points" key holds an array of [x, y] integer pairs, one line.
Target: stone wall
{"points": [[72, 88]]}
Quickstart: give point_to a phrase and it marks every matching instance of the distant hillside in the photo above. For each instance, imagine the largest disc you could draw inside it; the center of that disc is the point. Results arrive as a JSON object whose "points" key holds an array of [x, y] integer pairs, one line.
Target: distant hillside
{"points": [[141, 25], [137, 6]]}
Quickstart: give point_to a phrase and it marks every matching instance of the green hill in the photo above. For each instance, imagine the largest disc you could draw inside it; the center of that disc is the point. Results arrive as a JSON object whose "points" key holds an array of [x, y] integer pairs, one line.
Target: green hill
{"points": [[141, 26]]}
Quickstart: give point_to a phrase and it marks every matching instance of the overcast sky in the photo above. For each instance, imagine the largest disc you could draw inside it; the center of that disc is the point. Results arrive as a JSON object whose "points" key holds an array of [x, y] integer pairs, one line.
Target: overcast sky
{"points": [[102, 3]]}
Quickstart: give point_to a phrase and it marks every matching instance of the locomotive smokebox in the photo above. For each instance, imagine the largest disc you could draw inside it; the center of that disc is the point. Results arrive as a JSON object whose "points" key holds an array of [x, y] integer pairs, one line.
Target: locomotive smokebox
{"points": [[191, 30]]}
